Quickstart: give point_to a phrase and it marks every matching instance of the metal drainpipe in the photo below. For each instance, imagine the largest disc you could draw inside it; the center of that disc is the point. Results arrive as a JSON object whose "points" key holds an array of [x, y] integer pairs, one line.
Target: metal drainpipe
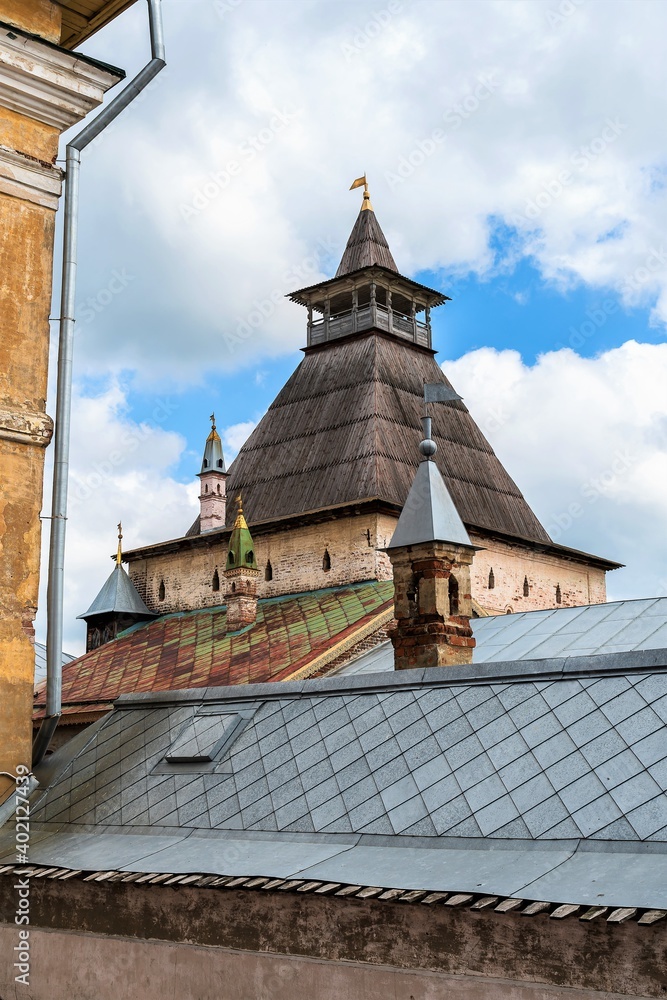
{"points": [[54, 600]]}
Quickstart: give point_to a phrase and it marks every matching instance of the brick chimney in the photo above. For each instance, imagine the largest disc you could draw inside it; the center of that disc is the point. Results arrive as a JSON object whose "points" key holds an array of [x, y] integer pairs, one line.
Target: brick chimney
{"points": [[431, 555]]}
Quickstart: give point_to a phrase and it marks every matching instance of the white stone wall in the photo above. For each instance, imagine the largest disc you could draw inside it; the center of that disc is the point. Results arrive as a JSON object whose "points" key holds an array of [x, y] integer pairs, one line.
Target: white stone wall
{"points": [[355, 545], [512, 563]]}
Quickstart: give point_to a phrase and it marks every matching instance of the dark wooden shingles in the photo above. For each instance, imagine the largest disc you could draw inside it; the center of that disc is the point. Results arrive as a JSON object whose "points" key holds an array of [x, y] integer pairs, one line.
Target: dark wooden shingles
{"points": [[346, 426]]}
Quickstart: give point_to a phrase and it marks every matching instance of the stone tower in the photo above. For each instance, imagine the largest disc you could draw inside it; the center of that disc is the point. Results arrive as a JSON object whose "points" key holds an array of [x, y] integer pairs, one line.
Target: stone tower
{"points": [[328, 468], [213, 480], [116, 607], [241, 574], [431, 555]]}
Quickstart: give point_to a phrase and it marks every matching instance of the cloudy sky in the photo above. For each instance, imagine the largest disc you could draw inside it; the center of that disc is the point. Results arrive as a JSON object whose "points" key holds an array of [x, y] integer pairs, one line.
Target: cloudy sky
{"points": [[517, 161]]}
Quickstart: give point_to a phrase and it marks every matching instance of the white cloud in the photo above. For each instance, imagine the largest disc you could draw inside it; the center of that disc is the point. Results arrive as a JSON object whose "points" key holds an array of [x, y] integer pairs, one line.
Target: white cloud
{"points": [[120, 470], [546, 123], [523, 112], [234, 437], [586, 441]]}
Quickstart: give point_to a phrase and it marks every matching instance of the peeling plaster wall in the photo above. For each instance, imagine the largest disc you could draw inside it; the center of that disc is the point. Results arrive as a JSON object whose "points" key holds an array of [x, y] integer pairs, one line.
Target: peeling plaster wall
{"points": [[42, 92], [91, 940], [26, 256]]}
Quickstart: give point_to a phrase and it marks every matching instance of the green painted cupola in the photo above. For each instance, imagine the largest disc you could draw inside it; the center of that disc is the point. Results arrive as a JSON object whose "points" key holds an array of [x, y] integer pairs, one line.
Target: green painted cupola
{"points": [[241, 552]]}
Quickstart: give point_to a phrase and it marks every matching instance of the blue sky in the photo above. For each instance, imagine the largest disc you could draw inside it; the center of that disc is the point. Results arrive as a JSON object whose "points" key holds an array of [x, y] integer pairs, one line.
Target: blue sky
{"points": [[515, 309]]}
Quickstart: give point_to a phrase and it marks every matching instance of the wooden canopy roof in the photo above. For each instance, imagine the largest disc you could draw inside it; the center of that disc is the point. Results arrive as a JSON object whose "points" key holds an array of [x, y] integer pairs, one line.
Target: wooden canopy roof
{"points": [[82, 18], [345, 428]]}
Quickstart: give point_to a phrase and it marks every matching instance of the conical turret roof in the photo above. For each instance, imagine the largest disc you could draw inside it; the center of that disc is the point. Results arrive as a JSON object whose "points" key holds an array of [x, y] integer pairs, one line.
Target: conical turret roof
{"points": [[118, 596], [367, 244], [429, 513], [213, 460], [241, 552]]}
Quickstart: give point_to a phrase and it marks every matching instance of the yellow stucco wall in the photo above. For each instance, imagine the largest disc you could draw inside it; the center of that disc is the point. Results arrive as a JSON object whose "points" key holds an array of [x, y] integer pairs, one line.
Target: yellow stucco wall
{"points": [[26, 255], [40, 17]]}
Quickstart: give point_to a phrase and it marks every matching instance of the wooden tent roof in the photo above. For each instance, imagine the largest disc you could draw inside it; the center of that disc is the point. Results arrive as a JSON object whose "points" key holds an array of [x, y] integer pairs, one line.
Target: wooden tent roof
{"points": [[345, 428], [82, 18], [366, 246]]}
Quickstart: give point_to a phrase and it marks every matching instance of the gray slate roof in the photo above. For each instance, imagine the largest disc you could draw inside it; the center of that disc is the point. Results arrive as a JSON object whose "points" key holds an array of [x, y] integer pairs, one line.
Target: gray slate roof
{"points": [[118, 595], [590, 630], [545, 779]]}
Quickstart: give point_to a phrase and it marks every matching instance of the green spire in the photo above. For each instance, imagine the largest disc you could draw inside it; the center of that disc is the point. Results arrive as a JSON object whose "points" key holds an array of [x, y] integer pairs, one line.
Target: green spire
{"points": [[241, 553]]}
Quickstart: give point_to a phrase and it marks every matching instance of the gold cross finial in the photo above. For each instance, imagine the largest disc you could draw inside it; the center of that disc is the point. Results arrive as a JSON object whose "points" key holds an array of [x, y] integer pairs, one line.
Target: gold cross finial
{"points": [[119, 553]]}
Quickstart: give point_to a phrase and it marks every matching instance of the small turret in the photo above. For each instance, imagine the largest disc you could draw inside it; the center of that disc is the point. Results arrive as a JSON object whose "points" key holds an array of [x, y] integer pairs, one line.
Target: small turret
{"points": [[431, 555], [116, 607], [213, 480], [242, 574], [367, 292]]}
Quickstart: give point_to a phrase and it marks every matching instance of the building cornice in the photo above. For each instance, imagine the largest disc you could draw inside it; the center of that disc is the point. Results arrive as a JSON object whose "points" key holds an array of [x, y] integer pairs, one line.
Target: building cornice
{"points": [[47, 83], [25, 427], [29, 179]]}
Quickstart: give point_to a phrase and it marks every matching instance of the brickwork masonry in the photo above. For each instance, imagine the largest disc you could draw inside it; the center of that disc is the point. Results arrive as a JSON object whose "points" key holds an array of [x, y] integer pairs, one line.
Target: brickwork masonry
{"points": [[350, 550]]}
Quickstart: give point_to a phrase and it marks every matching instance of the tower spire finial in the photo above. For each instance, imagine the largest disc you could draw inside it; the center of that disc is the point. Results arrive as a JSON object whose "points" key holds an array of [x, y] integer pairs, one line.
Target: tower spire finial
{"points": [[212, 419], [119, 553], [366, 204], [240, 521]]}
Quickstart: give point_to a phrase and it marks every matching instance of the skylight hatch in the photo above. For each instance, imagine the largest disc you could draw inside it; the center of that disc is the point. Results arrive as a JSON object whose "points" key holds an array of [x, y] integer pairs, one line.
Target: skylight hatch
{"points": [[202, 739]]}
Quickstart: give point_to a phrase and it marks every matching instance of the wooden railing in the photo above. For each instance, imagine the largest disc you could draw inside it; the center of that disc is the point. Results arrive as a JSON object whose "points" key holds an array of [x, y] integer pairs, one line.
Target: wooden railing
{"points": [[366, 318]]}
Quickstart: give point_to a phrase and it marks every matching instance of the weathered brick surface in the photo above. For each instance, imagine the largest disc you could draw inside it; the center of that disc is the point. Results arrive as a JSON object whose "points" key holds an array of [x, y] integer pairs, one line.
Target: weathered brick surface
{"points": [[513, 562], [296, 558]]}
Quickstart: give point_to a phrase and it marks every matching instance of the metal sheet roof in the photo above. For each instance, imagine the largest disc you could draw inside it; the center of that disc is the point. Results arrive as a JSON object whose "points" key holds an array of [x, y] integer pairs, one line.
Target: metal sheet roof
{"points": [[590, 630], [40, 661], [429, 513], [488, 779], [118, 595]]}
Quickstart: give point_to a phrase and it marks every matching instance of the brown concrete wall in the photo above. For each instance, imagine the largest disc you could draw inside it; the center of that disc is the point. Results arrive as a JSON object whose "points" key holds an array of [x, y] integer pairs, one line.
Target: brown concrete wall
{"points": [[83, 967], [90, 940]]}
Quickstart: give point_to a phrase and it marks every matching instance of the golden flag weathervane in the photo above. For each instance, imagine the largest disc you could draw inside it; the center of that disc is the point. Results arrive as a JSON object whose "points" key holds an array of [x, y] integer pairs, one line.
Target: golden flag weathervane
{"points": [[366, 204], [119, 553]]}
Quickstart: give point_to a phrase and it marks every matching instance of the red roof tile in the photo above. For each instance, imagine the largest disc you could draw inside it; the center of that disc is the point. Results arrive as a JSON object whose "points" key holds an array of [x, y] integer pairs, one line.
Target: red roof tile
{"points": [[193, 649]]}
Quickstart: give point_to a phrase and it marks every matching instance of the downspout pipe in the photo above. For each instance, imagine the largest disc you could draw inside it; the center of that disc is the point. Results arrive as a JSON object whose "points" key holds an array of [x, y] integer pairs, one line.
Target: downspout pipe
{"points": [[55, 590]]}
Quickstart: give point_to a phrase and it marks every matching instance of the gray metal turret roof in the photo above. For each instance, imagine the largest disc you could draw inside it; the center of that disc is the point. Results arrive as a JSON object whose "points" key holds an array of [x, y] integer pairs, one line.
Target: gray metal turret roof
{"points": [[213, 460], [429, 513], [118, 595]]}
